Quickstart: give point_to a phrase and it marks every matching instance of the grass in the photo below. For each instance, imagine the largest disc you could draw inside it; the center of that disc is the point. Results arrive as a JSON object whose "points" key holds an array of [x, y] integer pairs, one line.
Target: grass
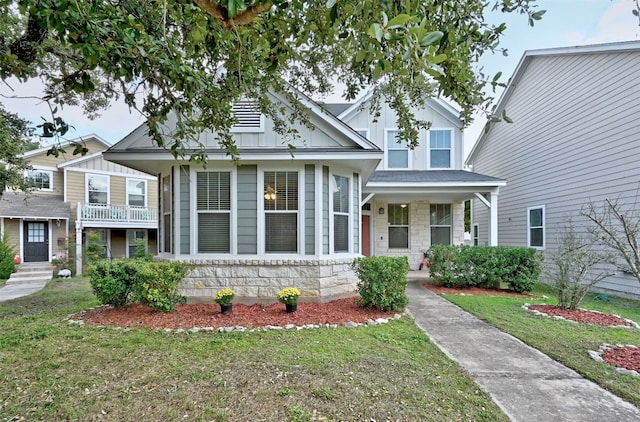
{"points": [[52, 370], [566, 342]]}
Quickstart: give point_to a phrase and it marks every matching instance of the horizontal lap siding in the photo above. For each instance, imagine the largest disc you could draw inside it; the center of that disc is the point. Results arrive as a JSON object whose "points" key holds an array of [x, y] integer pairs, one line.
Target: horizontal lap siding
{"points": [[574, 139]]}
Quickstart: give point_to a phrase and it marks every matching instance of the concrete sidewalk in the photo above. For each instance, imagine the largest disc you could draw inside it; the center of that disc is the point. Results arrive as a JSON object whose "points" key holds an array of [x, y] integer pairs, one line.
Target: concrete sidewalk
{"points": [[29, 278], [525, 383]]}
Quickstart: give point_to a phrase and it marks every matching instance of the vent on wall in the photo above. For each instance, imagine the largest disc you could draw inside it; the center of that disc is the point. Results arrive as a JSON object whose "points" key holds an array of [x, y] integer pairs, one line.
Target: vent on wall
{"points": [[249, 117]]}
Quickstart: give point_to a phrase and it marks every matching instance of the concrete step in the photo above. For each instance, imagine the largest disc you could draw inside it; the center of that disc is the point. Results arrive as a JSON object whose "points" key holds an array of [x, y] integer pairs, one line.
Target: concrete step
{"points": [[26, 267], [31, 276]]}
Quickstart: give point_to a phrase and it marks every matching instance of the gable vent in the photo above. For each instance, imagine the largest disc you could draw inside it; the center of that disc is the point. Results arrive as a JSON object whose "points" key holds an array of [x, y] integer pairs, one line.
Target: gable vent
{"points": [[248, 115]]}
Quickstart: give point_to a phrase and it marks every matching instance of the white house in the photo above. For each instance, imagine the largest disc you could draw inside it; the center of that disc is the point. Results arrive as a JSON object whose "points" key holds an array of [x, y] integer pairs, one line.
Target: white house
{"points": [[575, 139], [277, 220]]}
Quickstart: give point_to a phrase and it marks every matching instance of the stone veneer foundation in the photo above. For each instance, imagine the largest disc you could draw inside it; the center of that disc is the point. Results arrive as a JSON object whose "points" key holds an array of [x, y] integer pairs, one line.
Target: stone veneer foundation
{"points": [[260, 280]]}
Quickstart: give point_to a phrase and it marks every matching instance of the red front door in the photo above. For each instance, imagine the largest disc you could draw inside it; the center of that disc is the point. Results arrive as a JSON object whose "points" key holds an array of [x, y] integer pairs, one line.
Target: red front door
{"points": [[366, 236]]}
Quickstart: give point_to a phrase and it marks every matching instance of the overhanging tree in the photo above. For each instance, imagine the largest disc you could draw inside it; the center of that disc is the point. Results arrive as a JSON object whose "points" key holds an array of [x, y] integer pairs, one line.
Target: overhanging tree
{"points": [[15, 139], [194, 58]]}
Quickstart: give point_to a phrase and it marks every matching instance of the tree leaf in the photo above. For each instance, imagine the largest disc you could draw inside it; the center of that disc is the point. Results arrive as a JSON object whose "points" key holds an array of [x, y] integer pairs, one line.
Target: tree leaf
{"points": [[431, 38]]}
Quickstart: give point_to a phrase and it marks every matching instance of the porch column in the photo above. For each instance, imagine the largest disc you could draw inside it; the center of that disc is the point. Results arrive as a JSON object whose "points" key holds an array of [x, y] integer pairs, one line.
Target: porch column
{"points": [[493, 219], [78, 247]]}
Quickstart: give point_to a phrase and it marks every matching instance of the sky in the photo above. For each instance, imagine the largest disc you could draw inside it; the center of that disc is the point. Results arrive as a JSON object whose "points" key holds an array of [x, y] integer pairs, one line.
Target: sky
{"points": [[566, 23]]}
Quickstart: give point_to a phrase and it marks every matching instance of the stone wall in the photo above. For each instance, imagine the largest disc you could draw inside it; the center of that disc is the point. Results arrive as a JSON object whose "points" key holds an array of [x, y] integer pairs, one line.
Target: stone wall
{"points": [[260, 280]]}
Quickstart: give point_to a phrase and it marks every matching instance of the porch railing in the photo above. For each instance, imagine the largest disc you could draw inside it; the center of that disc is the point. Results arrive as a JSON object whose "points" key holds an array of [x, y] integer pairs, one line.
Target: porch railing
{"points": [[117, 213]]}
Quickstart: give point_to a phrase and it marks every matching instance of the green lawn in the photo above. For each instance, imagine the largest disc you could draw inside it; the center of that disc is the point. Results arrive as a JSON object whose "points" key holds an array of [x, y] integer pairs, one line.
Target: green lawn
{"points": [[52, 370], [566, 342]]}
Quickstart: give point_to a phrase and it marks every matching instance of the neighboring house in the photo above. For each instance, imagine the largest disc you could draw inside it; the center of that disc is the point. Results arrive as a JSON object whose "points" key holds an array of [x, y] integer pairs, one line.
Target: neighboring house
{"points": [[575, 138], [76, 195], [280, 219]]}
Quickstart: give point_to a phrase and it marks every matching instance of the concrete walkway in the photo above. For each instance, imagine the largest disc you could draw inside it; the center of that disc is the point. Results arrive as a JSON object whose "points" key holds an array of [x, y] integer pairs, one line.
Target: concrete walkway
{"points": [[525, 383], [28, 278]]}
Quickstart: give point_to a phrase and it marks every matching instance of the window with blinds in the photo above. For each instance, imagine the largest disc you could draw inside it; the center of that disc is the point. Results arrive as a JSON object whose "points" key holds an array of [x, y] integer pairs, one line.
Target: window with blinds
{"points": [[281, 211], [398, 226], [341, 214], [213, 203], [440, 221]]}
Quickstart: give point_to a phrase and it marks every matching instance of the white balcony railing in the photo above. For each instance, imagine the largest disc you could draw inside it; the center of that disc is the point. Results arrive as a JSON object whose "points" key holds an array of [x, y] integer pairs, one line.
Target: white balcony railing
{"points": [[117, 213]]}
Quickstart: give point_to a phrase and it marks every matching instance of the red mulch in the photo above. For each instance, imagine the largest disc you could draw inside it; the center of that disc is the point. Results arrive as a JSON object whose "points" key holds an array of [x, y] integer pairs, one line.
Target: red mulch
{"points": [[208, 315], [620, 356]]}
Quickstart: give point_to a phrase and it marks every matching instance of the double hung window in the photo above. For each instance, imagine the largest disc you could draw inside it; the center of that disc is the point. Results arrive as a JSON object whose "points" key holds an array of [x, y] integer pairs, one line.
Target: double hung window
{"points": [[213, 190], [398, 226], [281, 211]]}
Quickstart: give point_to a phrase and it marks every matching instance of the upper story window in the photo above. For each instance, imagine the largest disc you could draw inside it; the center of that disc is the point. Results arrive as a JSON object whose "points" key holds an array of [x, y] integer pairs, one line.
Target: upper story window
{"points": [[281, 211], [440, 149], [136, 192], [398, 226], [248, 115], [97, 189], [213, 190], [397, 154], [341, 214], [535, 224], [42, 179]]}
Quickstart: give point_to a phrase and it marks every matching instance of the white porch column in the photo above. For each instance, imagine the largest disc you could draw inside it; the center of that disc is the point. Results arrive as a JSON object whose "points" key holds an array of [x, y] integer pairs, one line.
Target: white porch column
{"points": [[78, 247], [493, 219]]}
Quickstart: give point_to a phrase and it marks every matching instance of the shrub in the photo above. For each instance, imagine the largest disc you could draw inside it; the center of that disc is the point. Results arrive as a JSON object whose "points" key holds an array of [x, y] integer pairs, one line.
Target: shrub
{"points": [[7, 255], [484, 266], [157, 285], [113, 282], [383, 281]]}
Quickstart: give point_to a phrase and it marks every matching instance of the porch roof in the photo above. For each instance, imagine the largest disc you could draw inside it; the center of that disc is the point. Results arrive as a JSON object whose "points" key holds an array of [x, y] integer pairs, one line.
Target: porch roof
{"points": [[20, 205], [433, 177]]}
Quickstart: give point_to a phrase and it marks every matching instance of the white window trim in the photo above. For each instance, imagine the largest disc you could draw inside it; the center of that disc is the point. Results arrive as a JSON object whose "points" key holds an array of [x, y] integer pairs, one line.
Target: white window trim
{"points": [[442, 225], [146, 239], [408, 226], [475, 228], [146, 192], [349, 215], [261, 238], [366, 130], [386, 151], [233, 212], [452, 149], [86, 187], [38, 170], [544, 228]]}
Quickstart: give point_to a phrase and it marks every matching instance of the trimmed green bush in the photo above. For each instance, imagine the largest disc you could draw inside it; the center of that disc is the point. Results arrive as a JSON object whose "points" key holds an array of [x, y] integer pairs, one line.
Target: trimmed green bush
{"points": [[484, 266], [154, 284], [383, 281], [7, 255]]}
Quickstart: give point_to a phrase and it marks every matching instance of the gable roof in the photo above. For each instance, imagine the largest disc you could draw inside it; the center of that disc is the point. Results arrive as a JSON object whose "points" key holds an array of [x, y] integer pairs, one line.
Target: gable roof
{"points": [[524, 63], [65, 144], [21, 205]]}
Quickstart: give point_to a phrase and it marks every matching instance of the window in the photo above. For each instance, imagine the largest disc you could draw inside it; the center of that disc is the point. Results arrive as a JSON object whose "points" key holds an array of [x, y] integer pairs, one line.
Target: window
{"points": [[41, 179], [398, 226], [397, 153], [476, 235], [363, 132], [136, 192], [99, 239], [135, 238], [535, 222], [167, 201], [440, 220], [281, 211], [440, 149], [36, 232], [341, 214], [213, 190], [97, 189]]}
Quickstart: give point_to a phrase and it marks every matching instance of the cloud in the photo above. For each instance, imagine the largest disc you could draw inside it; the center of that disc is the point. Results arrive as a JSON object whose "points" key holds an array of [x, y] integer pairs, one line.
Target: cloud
{"points": [[616, 24]]}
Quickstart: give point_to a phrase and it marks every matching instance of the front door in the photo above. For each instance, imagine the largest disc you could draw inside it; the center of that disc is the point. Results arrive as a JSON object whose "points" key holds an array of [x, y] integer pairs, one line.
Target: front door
{"points": [[36, 241], [366, 237]]}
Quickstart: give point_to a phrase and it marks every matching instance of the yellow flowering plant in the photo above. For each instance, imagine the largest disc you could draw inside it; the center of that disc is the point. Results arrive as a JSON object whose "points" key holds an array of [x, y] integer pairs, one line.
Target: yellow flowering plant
{"points": [[288, 295], [224, 297]]}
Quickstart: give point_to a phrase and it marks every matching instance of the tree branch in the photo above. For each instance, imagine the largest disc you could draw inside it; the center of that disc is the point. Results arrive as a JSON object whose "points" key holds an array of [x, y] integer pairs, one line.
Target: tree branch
{"points": [[246, 17]]}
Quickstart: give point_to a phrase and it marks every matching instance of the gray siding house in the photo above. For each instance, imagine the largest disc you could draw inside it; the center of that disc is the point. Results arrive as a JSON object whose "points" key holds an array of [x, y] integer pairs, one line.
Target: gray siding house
{"points": [[575, 138], [278, 219]]}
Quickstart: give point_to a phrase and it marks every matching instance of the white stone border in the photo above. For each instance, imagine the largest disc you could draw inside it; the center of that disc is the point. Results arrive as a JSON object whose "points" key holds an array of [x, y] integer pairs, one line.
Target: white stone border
{"points": [[237, 328], [597, 356], [630, 323]]}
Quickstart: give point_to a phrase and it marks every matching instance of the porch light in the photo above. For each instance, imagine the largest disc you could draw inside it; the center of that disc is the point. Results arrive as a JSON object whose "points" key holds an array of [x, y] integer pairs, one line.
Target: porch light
{"points": [[403, 205], [381, 210], [270, 193]]}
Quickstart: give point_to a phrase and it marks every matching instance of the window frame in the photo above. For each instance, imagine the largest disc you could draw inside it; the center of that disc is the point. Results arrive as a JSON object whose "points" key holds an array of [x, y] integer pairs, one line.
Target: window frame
{"points": [[405, 148], [144, 194], [475, 234], [346, 214], [391, 225], [298, 212], [28, 174], [432, 225], [145, 237], [542, 227], [364, 132], [88, 177], [219, 211], [451, 148]]}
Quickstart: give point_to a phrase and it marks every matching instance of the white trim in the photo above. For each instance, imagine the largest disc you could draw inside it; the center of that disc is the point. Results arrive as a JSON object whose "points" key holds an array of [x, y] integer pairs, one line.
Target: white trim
{"points": [[142, 175], [332, 214], [366, 130], [450, 225], [408, 226], [543, 227], [145, 193], [80, 159], [39, 170], [475, 234], [146, 239], [451, 148], [86, 186], [400, 148], [194, 213], [65, 144]]}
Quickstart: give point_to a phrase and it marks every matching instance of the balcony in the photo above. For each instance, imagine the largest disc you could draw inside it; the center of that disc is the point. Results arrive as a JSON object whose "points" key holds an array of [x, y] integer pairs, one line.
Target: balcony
{"points": [[106, 215]]}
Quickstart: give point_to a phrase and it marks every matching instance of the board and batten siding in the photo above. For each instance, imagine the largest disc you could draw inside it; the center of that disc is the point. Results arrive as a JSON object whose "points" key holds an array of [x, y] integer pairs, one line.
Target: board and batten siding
{"points": [[247, 210], [185, 213], [574, 139], [310, 209]]}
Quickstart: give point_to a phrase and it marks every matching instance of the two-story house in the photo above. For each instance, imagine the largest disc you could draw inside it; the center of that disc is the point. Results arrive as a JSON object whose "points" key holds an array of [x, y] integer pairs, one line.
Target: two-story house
{"points": [[574, 140], [76, 195], [279, 219]]}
